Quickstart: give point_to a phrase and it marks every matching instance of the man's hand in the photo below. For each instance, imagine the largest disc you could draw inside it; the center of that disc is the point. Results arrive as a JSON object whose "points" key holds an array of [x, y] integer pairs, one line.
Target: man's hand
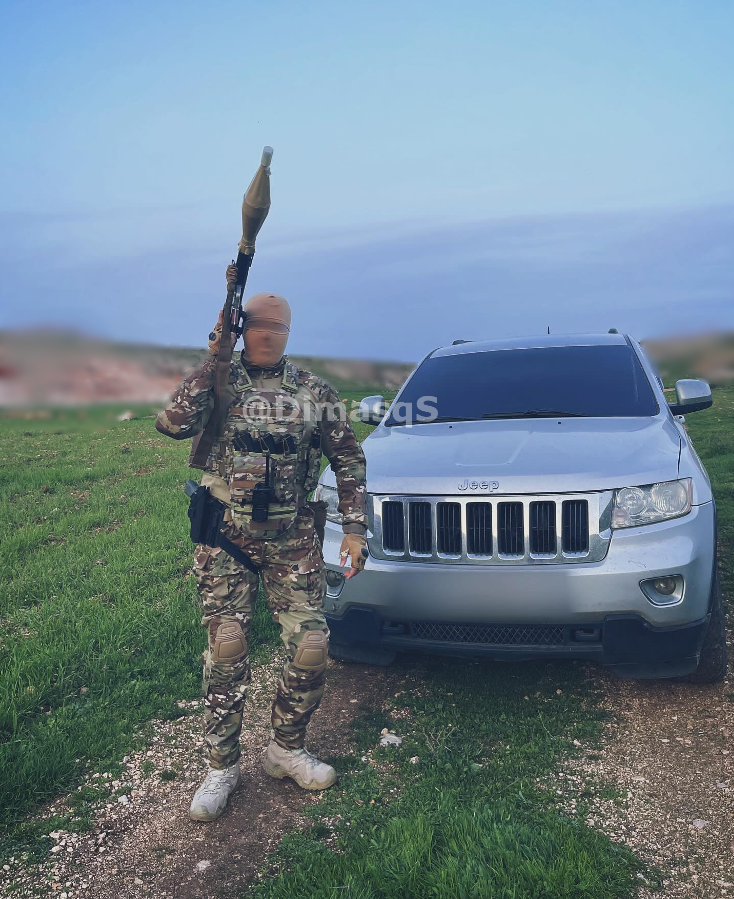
{"points": [[216, 335], [354, 546]]}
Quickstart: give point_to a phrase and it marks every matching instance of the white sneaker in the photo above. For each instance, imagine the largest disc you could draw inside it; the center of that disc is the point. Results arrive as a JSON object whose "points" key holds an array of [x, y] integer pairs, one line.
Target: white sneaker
{"points": [[307, 771], [210, 800]]}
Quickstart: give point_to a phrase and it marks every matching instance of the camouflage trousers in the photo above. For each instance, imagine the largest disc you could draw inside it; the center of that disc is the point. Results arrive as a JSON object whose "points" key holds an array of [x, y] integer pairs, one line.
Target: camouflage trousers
{"points": [[293, 577]]}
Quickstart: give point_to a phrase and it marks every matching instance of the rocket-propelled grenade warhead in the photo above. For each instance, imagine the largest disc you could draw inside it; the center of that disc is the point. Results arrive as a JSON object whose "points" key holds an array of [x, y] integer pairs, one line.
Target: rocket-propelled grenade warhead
{"points": [[256, 204], [255, 208]]}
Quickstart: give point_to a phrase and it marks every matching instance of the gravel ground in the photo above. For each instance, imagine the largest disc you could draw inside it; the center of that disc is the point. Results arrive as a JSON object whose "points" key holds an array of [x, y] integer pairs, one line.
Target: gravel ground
{"points": [[143, 843], [662, 784], [669, 753]]}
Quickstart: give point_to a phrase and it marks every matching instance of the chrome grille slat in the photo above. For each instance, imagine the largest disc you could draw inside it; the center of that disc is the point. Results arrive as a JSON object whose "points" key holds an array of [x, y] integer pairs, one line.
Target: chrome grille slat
{"points": [[479, 529], [392, 531], [492, 530], [575, 526], [420, 528], [510, 529], [543, 528], [448, 529]]}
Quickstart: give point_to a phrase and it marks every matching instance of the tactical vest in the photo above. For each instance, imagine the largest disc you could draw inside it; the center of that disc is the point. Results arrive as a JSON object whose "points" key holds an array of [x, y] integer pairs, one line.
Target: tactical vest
{"points": [[275, 429]]}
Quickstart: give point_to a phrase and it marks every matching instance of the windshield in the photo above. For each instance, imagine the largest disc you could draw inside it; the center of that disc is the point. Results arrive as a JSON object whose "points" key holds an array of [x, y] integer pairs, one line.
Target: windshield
{"points": [[531, 383]]}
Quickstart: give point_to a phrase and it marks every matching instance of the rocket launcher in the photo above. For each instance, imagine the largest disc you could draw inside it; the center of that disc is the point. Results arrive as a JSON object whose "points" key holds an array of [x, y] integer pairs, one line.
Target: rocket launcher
{"points": [[255, 208]]}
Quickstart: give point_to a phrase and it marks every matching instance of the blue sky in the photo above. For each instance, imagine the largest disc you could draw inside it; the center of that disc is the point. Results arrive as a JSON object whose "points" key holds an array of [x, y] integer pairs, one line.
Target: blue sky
{"points": [[440, 170]]}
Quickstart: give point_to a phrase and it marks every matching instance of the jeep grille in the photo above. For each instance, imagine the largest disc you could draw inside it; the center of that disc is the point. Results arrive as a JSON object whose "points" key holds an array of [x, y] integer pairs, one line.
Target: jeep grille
{"points": [[497, 531]]}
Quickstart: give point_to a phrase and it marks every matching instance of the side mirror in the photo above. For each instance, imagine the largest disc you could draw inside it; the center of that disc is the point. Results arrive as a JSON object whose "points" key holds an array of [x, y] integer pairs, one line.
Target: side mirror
{"points": [[372, 410], [692, 395]]}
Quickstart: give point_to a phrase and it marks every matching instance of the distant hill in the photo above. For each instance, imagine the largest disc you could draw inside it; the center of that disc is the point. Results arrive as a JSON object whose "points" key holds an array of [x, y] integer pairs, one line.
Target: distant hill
{"points": [[708, 355], [69, 369]]}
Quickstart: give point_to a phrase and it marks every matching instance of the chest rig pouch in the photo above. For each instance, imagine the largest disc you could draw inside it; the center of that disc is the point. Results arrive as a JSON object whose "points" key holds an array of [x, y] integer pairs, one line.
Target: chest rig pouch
{"points": [[267, 457]]}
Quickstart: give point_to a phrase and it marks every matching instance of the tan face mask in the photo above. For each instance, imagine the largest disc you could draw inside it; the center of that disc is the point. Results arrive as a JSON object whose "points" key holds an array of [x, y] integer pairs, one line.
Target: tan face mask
{"points": [[267, 325]]}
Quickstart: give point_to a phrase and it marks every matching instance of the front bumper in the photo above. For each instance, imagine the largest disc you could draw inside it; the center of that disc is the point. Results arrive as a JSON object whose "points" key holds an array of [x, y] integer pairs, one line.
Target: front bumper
{"points": [[594, 611]]}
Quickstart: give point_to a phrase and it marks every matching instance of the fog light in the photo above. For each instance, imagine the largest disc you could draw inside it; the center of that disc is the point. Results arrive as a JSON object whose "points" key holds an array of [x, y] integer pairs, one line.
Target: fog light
{"points": [[334, 578], [663, 591], [664, 585], [334, 583]]}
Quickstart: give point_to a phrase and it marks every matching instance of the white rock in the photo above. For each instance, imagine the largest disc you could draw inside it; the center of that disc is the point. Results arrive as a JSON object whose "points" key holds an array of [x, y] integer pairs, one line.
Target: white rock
{"points": [[414, 760], [390, 740], [203, 865], [699, 824], [123, 800]]}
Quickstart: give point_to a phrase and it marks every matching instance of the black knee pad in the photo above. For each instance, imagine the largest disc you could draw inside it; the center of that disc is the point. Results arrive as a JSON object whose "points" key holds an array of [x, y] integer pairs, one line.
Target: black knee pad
{"points": [[229, 641], [313, 652]]}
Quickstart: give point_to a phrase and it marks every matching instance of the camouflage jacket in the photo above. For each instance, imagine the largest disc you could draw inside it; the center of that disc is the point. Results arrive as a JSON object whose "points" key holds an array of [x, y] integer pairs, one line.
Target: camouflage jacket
{"points": [[301, 412]]}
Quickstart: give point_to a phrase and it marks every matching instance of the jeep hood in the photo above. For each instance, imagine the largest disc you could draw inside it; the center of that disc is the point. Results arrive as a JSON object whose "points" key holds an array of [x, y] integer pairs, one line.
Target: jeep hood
{"points": [[548, 455]]}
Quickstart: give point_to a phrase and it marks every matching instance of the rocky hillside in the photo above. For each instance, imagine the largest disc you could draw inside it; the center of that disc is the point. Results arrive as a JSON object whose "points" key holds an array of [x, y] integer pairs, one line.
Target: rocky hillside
{"points": [[63, 369]]}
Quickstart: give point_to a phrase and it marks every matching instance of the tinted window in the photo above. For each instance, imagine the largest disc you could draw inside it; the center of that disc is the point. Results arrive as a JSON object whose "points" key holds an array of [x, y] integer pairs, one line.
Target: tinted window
{"points": [[578, 380]]}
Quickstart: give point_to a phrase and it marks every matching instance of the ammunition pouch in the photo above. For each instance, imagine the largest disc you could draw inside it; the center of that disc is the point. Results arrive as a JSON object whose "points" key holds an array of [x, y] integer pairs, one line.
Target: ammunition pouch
{"points": [[245, 442], [206, 513]]}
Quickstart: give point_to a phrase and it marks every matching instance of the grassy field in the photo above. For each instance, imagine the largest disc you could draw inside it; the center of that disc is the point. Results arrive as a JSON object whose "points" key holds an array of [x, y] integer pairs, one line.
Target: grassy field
{"points": [[455, 811], [99, 632], [99, 623]]}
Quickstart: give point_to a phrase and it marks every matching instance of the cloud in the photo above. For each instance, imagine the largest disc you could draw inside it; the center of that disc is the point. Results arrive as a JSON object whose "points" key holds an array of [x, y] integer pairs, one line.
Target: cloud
{"points": [[385, 291]]}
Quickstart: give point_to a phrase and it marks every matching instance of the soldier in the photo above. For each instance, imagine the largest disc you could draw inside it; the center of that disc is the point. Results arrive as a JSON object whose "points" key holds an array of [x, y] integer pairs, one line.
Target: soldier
{"points": [[280, 420]]}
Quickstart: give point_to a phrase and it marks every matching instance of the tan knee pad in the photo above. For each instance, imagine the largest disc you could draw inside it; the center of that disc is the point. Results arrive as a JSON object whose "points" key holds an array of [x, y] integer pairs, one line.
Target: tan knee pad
{"points": [[229, 641], [313, 652]]}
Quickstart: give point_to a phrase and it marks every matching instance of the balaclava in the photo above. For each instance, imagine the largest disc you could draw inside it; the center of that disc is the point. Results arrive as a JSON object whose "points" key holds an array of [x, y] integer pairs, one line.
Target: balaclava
{"points": [[267, 325]]}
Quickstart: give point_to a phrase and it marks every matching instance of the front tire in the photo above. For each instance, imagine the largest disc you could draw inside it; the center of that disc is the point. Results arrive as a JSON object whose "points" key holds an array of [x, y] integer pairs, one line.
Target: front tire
{"points": [[712, 663]]}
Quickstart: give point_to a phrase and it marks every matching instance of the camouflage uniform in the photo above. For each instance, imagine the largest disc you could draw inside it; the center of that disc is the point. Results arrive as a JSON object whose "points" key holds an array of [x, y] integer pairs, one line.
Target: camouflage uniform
{"points": [[289, 403]]}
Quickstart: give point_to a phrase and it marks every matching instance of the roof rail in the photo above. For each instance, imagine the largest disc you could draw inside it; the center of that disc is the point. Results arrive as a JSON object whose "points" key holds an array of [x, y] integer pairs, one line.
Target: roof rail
{"points": [[612, 331], [454, 342]]}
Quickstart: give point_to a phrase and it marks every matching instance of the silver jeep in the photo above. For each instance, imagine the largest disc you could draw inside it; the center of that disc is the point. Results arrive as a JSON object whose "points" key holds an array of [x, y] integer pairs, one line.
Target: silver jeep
{"points": [[534, 498]]}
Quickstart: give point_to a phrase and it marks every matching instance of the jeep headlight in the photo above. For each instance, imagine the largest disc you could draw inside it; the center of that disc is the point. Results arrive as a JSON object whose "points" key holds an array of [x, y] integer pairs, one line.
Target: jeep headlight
{"points": [[634, 506], [331, 496]]}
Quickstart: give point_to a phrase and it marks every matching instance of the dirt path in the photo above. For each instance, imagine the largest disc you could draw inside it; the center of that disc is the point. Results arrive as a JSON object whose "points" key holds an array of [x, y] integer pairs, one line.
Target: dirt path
{"points": [[146, 846], [669, 751], [671, 754]]}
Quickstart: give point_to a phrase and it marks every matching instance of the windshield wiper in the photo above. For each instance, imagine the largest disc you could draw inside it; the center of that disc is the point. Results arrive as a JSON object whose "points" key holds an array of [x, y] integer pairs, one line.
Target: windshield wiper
{"points": [[529, 413], [428, 421], [536, 413]]}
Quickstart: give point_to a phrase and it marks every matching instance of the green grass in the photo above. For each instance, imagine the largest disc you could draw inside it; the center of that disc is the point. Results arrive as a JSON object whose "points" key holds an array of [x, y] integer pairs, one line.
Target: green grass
{"points": [[99, 625], [466, 819], [99, 619], [712, 434], [99, 632]]}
